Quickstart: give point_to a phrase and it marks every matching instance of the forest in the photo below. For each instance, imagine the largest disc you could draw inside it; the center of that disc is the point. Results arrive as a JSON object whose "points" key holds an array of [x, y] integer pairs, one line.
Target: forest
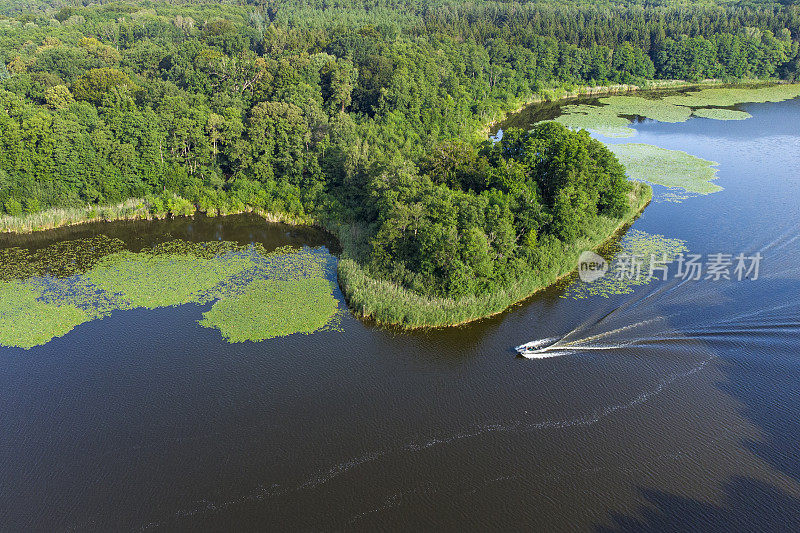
{"points": [[363, 114]]}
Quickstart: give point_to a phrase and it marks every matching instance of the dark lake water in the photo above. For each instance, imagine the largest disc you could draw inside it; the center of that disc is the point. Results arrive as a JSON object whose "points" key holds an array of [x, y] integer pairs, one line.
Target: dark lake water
{"points": [[677, 409]]}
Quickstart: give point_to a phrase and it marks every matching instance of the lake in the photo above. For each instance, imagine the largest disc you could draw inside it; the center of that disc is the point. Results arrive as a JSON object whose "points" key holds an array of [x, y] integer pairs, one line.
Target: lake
{"points": [[672, 405]]}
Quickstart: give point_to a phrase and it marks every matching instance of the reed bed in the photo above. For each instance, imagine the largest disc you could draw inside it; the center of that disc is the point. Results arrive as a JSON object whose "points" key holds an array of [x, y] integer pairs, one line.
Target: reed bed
{"points": [[132, 209]]}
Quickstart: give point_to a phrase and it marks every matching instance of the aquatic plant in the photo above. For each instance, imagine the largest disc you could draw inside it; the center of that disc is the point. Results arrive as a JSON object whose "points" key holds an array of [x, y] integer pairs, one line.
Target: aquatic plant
{"points": [[619, 279], [274, 308], [728, 96], [151, 281], [25, 321], [721, 114], [41, 305], [602, 120], [652, 108], [672, 197], [608, 118], [670, 168], [61, 259]]}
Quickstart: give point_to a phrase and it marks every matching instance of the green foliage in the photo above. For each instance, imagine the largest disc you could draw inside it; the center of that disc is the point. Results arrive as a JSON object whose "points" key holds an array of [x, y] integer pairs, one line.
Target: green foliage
{"points": [[13, 207], [388, 302], [99, 82], [472, 237], [58, 97]]}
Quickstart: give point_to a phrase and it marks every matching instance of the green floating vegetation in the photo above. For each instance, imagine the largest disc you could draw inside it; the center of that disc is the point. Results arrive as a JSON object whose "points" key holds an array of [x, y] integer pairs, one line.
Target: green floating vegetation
{"points": [[673, 197], [670, 168], [257, 295], [274, 308], [728, 96], [25, 321], [61, 259], [621, 279], [151, 281], [608, 118], [721, 114], [597, 119], [653, 108]]}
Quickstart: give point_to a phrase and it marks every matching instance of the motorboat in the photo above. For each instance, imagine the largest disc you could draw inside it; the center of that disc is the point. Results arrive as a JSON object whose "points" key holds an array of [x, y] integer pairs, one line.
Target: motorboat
{"points": [[534, 347]]}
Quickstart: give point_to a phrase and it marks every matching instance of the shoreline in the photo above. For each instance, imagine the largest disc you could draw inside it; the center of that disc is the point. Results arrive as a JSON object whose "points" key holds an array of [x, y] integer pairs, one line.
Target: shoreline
{"points": [[367, 297], [361, 303], [129, 210], [136, 208]]}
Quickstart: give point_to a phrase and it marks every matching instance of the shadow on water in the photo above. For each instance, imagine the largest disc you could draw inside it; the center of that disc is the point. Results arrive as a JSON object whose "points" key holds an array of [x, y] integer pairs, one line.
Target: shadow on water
{"points": [[751, 506], [243, 228], [760, 370]]}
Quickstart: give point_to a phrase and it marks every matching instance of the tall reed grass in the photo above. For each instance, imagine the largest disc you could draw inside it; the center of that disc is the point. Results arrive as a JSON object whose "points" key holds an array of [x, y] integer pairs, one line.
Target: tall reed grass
{"points": [[131, 209], [385, 302]]}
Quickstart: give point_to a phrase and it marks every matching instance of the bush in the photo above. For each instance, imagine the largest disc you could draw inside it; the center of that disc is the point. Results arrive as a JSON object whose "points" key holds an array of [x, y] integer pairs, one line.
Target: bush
{"points": [[13, 207], [31, 205]]}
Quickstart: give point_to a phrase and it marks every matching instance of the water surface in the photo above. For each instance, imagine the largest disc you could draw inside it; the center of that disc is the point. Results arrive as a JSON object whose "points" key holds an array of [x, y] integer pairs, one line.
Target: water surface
{"points": [[676, 407]]}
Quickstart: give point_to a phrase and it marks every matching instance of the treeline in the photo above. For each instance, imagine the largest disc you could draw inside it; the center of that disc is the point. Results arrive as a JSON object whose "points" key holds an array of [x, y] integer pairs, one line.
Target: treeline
{"points": [[364, 114]]}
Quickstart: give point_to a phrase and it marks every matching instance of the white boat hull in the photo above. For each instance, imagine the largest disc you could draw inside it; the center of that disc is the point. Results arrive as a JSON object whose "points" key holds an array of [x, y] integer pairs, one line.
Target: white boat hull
{"points": [[534, 349]]}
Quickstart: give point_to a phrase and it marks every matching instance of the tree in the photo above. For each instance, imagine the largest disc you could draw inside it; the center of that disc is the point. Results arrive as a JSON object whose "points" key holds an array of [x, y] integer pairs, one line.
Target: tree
{"points": [[58, 97], [98, 82]]}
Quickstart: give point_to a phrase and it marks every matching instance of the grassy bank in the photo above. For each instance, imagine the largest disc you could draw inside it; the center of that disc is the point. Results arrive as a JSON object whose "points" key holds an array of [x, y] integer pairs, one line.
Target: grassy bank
{"points": [[131, 209], [390, 304]]}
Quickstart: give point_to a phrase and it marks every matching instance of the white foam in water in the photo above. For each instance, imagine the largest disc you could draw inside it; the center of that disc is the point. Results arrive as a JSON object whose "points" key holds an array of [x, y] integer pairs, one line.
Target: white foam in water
{"points": [[546, 354]]}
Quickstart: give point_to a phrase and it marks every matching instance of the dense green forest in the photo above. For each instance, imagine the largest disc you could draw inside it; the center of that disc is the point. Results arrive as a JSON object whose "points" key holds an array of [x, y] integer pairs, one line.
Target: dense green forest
{"points": [[362, 113]]}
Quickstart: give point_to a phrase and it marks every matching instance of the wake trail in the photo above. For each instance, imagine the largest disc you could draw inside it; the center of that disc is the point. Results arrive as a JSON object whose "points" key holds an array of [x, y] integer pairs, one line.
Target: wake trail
{"points": [[789, 235]]}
